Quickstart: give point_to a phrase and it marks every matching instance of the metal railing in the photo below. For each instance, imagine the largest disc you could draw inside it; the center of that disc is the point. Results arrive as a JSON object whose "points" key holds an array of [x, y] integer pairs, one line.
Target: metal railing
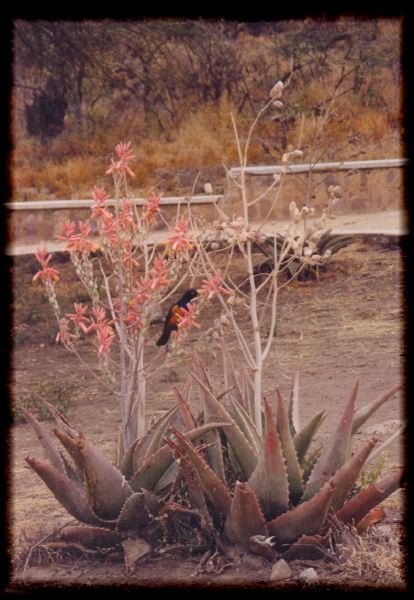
{"points": [[57, 204], [346, 165]]}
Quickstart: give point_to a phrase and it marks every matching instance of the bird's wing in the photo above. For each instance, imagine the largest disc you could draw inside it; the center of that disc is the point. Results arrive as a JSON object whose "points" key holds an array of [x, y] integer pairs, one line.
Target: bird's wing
{"points": [[176, 312]]}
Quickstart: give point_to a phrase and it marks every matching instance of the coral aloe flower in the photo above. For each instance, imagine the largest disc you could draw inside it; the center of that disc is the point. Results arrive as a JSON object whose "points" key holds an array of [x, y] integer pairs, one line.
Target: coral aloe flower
{"points": [[105, 335], [98, 209], [180, 241], [187, 318], [151, 209], [46, 273], [124, 153], [212, 286], [78, 317]]}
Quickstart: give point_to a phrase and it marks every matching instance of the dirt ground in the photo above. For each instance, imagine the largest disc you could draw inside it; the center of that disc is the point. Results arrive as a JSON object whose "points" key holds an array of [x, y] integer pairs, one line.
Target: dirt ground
{"points": [[348, 325]]}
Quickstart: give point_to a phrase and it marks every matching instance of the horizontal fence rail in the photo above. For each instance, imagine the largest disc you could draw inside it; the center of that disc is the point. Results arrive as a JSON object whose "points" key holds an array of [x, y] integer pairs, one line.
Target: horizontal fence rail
{"points": [[350, 165], [368, 186], [56, 204]]}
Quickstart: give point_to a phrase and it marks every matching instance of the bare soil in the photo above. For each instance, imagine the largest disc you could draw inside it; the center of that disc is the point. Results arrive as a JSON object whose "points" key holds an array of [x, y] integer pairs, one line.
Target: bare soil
{"points": [[345, 326]]}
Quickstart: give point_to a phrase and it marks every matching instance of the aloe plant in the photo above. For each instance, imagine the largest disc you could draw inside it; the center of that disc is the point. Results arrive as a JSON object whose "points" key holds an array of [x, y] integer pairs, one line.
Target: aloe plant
{"points": [[214, 475], [326, 246]]}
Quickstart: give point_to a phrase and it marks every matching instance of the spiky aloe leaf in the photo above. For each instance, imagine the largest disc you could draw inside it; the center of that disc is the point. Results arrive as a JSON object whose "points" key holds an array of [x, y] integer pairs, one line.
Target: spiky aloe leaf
{"points": [[120, 452], [236, 468], [307, 518], [106, 486], [355, 509], [288, 449], [186, 393], [245, 517], [213, 486], [243, 420], [72, 448], [309, 463], [60, 420], [138, 511], [137, 452], [346, 476], [140, 451], [243, 450], [126, 464], [363, 413], [150, 472], [303, 439], [269, 479], [66, 492], [153, 468], [195, 488], [154, 426], [158, 431], [336, 243], [325, 237], [293, 406], [186, 414], [215, 454], [214, 451], [231, 378], [337, 449], [91, 537], [50, 450], [247, 393], [167, 479], [381, 447]]}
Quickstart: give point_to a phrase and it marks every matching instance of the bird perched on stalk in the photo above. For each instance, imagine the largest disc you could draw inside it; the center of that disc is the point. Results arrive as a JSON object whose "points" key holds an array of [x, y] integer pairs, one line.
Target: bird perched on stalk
{"points": [[174, 314]]}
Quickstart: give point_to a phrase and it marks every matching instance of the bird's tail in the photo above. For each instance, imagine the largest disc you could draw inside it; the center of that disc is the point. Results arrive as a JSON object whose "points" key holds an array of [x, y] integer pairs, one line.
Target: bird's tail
{"points": [[163, 339]]}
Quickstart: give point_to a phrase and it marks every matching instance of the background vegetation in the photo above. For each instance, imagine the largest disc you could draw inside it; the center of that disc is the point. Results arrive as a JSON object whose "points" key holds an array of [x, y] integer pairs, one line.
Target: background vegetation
{"points": [[168, 87]]}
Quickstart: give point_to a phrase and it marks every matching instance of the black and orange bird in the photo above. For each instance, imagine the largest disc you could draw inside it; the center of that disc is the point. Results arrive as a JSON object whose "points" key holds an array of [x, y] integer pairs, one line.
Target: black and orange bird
{"points": [[173, 315]]}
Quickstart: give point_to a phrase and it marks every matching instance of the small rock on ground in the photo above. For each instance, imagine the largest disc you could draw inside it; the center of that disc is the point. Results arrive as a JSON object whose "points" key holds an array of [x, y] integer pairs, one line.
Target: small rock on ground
{"points": [[308, 575], [280, 570]]}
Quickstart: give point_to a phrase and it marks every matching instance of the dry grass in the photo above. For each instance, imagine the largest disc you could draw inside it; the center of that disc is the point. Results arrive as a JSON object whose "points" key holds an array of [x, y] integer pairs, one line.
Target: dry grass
{"points": [[70, 169], [69, 166], [376, 559]]}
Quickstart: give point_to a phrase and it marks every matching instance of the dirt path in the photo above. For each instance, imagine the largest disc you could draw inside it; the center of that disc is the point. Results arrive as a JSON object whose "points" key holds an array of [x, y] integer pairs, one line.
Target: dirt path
{"points": [[388, 222]]}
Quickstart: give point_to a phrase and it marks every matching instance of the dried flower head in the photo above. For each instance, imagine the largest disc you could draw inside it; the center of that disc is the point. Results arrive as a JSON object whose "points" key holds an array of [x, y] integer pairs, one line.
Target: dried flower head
{"points": [[288, 156], [277, 90]]}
